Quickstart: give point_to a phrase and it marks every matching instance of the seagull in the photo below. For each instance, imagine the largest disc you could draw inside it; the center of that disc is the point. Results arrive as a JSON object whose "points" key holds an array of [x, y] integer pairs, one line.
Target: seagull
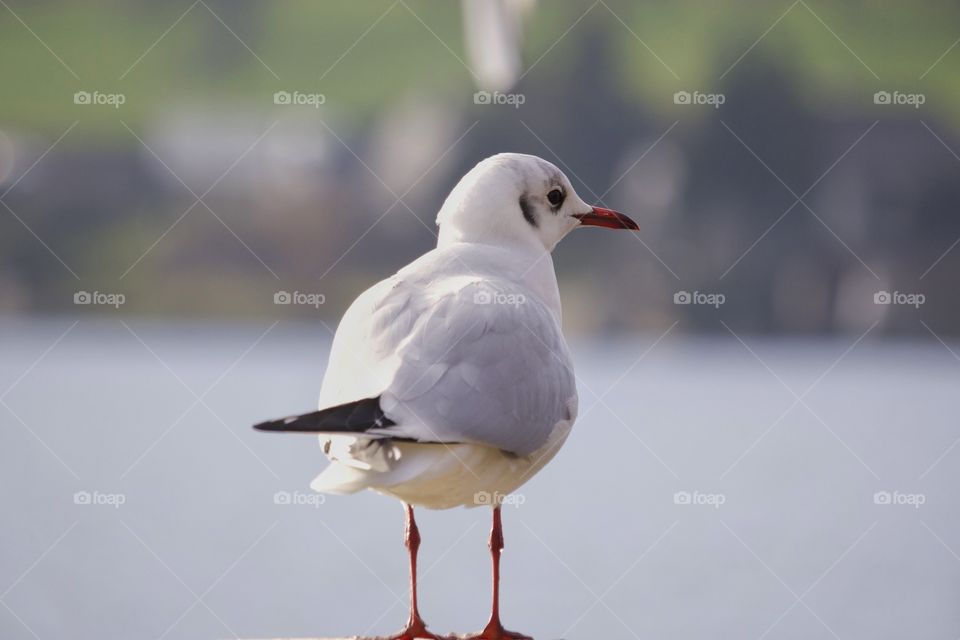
{"points": [[450, 383]]}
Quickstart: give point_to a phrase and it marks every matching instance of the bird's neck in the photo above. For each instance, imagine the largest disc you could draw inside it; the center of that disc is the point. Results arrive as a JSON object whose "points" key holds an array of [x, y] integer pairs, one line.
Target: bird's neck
{"points": [[532, 267], [539, 276]]}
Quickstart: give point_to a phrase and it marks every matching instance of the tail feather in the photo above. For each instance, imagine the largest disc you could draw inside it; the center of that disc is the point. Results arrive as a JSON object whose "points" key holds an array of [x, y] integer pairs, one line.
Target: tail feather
{"points": [[376, 464], [340, 479], [352, 417]]}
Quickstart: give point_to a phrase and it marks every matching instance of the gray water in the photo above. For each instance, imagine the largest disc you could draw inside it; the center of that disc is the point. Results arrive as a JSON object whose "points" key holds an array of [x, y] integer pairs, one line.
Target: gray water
{"points": [[788, 543]]}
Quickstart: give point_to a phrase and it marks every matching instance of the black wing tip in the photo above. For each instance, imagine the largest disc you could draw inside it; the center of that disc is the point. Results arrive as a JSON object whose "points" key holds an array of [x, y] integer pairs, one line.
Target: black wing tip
{"points": [[269, 426], [302, 423]]}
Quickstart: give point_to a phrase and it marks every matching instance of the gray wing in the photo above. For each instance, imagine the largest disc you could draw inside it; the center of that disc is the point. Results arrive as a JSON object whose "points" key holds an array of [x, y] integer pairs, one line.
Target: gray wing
{"points": [[479, 361]]}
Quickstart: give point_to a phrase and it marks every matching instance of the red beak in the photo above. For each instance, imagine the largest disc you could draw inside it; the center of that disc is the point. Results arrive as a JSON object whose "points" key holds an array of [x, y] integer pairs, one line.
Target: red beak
{"points": [[606, 218]]}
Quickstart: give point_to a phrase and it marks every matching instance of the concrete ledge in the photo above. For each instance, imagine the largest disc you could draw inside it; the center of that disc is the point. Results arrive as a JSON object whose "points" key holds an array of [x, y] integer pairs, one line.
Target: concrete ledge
{"points": [[452, 636]]}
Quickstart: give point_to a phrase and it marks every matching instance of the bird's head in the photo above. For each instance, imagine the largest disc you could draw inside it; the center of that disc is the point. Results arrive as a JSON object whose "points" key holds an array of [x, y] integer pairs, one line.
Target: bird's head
{"points": [[513, 199]]}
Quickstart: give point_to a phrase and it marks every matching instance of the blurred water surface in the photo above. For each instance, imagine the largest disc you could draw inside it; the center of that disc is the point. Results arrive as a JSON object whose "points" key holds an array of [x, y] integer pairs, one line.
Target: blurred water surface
{"points": [[158, 416]]}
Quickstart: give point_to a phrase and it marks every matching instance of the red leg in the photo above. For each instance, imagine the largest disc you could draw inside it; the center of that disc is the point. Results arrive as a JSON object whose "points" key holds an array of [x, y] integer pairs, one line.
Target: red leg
{"points": [[415, 628], [494, 630]]}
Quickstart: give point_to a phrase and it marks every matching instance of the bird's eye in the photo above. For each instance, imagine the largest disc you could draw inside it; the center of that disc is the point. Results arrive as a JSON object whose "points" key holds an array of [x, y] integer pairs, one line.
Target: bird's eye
{"points": [[555, 197]]}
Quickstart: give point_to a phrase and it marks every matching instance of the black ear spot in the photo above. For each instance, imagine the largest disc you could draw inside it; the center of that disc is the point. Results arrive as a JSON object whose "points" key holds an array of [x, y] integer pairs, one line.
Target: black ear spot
{"points": [[527, 209]]}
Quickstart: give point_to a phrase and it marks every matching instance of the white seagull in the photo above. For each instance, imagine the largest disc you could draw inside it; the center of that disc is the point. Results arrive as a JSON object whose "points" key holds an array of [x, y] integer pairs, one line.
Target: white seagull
{"points": [[450, 383]]}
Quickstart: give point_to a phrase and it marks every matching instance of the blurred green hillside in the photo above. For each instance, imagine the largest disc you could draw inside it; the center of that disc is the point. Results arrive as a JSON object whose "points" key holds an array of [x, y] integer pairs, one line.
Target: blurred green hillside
{"points": [[95, 199], [156, 53]]}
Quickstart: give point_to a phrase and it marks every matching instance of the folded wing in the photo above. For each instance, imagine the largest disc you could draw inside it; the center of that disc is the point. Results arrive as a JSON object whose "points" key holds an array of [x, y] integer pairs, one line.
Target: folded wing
{"points": [[468, 359]]}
